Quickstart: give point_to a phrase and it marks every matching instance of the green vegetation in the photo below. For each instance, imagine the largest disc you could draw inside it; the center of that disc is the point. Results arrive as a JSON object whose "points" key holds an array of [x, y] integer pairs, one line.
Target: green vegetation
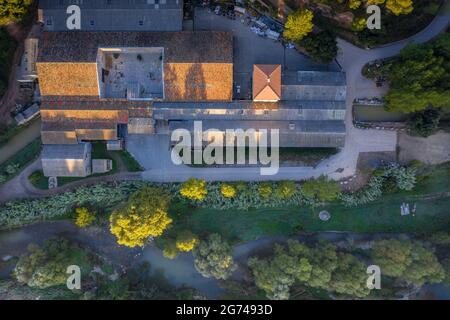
{"points": [[46, 266], [400, 19], [424, 123], [14, 165], [127, 159], [321, 46], [84, 217], [321, 189], [342, 271], [298, 25], [14, 10], [419, 77], [307, 156], [214, 258], [7, 48], [7, 133], [144, 215]]}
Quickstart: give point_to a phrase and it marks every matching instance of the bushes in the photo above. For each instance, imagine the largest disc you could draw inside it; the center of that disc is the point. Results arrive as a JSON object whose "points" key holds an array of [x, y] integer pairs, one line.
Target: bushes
{"points": [[265, 190], [371, 192], [19, 213], [7, 48], [194, 189], [321, 189], [227, 190], [84, 217], [321, 46], [285, 189], [404, 178]]}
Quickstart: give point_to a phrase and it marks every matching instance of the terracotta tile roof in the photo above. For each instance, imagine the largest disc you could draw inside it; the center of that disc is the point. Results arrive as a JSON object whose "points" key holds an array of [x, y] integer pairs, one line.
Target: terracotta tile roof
{"points": [[198, 81], [266, 82]]}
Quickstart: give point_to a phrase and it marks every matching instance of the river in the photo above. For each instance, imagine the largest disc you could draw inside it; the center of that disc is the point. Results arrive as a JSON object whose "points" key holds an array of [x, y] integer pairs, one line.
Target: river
{"points": [[178, 271]]}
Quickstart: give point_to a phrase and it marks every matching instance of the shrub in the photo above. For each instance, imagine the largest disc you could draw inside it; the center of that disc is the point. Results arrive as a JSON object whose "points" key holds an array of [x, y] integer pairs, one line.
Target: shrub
{"points": [[405, 178], [285, 189], [227, 190], [84, 217], [194, 189], [321, 46], [186, 241], [170, 250], [321, 189], [144, 215], [369, 193], [424, 123], [265, 190], [11, 169]]}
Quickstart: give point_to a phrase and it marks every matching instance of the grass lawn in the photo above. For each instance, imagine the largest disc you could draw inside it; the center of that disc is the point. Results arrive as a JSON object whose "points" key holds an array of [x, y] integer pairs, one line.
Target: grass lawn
{"points": [[128, 161], [20, 160], [380, 216]]}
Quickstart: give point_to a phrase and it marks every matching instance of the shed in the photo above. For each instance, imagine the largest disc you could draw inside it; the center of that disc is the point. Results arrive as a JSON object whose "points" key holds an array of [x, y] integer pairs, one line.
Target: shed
{"points": [[73, 160]]}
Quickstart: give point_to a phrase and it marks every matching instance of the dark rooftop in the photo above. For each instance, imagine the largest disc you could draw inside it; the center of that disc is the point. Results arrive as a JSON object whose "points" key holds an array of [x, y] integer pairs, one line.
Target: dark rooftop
{"points": [[179, 47]]}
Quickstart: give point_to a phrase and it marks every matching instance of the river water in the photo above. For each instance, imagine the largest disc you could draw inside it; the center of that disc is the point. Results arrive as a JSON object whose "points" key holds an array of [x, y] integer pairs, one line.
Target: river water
{"points": [[178, 271]]}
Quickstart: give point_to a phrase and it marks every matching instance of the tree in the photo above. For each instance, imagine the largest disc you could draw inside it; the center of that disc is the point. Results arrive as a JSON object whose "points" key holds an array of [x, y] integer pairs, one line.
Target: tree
{"points": [[399, 7], [213, 258], [277, 274], [446, 266], [323, 258], [170, 250], [144, 215], [349, 277], [393, 256], [419, 77], [84, 217], [298, 25], [285, 189], [408, 260], [186, 241], [227, 190], [13, 10], [321, 46], [321, 189], [424, 123], [194, 189], [359, 24], [45, 266]]}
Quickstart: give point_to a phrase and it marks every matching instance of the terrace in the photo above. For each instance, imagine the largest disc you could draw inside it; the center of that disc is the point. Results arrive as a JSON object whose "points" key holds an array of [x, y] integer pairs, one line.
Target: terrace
{"points": [[131, 73]]}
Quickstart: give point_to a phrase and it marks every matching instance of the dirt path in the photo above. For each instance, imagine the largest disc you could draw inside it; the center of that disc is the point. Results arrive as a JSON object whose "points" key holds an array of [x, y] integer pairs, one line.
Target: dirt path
{"points": [[21, 140]]}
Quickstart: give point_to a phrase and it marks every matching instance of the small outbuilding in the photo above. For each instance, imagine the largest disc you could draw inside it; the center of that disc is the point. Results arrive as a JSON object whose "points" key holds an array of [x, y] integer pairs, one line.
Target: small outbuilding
{"points": [[67, 160]]}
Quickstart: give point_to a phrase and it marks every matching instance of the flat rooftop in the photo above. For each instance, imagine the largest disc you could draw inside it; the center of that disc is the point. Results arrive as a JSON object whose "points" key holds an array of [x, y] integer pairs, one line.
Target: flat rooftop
{"points": [[132, 73]]}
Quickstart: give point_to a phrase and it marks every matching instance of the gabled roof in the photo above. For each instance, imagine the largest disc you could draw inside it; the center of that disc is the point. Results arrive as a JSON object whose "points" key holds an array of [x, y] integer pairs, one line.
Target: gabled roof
{"points": [[266, 82]]}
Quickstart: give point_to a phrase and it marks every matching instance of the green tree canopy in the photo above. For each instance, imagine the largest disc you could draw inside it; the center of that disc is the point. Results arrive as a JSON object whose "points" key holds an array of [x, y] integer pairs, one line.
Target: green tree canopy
{"points": [[214, 258], [321, 46]]}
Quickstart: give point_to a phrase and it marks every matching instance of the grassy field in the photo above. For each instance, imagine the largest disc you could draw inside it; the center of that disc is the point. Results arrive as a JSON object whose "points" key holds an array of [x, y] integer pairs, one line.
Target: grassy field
{"points": [[380, 216]]}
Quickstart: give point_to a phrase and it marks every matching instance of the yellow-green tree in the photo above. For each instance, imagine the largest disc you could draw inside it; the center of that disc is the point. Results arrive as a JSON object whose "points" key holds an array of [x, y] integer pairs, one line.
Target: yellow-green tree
{"points": [[227, 190], [144, 215], [83, 217], [354, 4], [298, 25], [194, 189], [186, 241], [399, 7]]}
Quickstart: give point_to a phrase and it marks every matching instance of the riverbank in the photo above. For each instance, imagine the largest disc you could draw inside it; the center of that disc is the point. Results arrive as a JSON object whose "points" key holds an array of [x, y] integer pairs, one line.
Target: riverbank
{"points": [[179, 271]]}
